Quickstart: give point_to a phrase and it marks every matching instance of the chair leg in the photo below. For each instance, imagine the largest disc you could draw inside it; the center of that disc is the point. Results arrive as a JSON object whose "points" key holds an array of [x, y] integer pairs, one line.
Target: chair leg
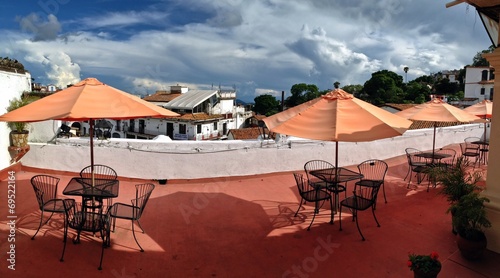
{"points": [[375, 217], [139, 224], [300, 205], [65, 237], [316, 210], [133, 232], [40, 226], [407, 173], [383, 190], [340, 217], [357, 225], [331, 211]]}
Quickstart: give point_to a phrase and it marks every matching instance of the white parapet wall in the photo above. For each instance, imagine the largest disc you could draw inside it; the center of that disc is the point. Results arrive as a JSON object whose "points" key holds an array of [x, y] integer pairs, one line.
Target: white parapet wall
{"points": [[151, 159]]}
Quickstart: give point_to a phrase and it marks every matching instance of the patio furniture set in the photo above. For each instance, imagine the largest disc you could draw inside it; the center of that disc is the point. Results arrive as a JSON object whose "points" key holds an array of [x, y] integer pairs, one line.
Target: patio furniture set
{"points": [[473, 149], [325, 182], [96, 212]]}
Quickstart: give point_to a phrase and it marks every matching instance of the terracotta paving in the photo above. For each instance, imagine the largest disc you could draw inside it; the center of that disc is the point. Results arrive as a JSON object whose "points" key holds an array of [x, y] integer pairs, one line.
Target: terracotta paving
{"points": [[242, 227]]}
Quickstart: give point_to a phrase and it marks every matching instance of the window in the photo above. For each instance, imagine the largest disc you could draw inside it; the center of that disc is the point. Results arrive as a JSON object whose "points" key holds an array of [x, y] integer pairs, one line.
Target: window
{"points": [[482, 91], [215, 125], [198, 128], [492, 74], [484, 75], [182, 128], [491, 94], [118, 125]]}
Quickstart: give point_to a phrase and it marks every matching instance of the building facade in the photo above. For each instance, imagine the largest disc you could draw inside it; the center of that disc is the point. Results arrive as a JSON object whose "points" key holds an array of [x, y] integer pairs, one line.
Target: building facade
{"points": [[479, 83]]}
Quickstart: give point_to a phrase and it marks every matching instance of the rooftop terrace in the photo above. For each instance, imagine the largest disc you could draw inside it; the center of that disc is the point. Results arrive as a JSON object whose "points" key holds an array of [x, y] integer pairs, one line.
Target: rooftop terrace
{"points": [[243, 227]]}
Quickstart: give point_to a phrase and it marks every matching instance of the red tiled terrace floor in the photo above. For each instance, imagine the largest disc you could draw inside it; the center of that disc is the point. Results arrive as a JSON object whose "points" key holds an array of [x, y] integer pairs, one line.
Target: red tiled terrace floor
{"points": [[243, 227]]}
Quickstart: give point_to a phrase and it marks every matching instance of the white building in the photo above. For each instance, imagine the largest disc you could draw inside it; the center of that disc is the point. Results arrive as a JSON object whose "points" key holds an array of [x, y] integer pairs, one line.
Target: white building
{"points": [[12, 85], [205, 115], [478, 84]]}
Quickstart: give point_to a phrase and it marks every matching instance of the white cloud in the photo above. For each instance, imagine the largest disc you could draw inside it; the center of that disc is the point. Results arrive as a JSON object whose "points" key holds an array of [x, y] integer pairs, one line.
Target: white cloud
{"points": [[257, 46]]}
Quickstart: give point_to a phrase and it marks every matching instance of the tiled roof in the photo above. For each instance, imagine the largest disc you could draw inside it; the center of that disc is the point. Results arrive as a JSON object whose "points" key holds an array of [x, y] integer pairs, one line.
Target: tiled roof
{"points": [[162, 96], [245, 133], [198, 117]]}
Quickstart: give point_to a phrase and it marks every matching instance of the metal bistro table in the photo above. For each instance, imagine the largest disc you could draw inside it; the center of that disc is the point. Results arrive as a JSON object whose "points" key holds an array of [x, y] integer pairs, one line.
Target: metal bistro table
{"points": [[483, 150], [433, 156], [92, 199], [336, 176]]}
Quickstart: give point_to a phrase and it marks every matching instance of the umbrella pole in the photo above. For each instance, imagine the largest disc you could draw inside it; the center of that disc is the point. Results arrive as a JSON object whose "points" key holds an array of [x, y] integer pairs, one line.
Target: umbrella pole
{"points": [[484, 138], [91, 134], [434, 142]]}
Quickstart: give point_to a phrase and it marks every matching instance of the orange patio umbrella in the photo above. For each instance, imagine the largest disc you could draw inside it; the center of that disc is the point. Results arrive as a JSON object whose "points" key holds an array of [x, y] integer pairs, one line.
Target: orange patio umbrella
{"points": [[482, 109], [436, 111], [337, 116], [89, 100]]}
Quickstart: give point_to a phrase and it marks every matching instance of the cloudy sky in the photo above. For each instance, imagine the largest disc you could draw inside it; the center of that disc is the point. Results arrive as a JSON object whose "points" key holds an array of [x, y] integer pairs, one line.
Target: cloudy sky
{"points": [[257, 46]]}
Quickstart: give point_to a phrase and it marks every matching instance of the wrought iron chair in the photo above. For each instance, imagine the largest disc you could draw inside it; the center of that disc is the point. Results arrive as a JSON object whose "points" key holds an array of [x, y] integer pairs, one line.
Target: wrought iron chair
{"points": [[364, 197], [416, 164], [471, 150], [373, 171], [316, 182], [313, 194], [133, 212], [82, 220], [45, 187], [447, 161], [100, 172]]}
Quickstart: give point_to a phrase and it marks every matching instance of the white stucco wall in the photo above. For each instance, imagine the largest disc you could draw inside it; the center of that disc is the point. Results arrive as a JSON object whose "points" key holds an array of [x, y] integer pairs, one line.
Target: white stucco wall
{"points": [[12, 85], [189, 159]]}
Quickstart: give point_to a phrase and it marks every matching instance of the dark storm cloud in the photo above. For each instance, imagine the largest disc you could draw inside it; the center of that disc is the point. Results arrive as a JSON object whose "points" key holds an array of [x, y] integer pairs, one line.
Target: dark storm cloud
{"points": [[42, 30]]}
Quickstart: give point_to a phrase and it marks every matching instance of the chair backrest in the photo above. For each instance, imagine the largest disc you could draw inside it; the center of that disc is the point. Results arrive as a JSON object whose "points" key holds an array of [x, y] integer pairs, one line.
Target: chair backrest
{"points": [[100, 172], [302, 183], [316, 165], [414, 160], [472, 139], [79, 219], [142, 194], [373, 169], [448, 160], [469, 149], [366, 194], [45, 187]]}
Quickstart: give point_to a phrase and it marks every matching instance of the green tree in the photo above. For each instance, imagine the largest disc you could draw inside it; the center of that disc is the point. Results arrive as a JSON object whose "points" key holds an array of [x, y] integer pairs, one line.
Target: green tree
{"points": [[384, 87], [301, 93], [417, 92], [355, 90], [478, 59], [266, 105], [444, 87]]}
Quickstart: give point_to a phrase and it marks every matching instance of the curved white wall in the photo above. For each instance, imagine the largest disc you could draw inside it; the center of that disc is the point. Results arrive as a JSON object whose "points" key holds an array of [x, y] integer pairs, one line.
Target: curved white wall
{"points": [[12, 85], [188, 159]]}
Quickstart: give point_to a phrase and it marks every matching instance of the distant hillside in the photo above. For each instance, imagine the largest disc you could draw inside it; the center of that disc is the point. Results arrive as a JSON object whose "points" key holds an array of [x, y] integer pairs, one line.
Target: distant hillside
{"points": [[241, 102]]}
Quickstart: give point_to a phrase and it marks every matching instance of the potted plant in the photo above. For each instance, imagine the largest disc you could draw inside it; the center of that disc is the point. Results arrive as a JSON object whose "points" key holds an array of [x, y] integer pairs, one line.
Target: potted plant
{"points": [[19, 134], [424, 265], [470, 221], [456, 181]]}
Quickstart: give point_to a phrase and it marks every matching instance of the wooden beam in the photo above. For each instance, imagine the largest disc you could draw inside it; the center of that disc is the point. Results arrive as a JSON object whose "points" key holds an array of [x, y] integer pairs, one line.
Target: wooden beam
{"points": [[456, 2]]}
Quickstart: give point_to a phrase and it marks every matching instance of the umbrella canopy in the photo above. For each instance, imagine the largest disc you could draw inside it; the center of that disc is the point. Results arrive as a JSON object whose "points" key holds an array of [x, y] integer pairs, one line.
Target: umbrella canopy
{"points": [[481, 109], [435, 111], [89, 99], [337, 116]]}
